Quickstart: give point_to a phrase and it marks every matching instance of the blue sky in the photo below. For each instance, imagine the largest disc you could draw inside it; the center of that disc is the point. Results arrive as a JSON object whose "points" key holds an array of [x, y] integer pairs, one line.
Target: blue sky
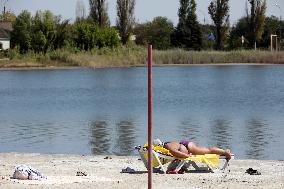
{"points": [[145, 10]]}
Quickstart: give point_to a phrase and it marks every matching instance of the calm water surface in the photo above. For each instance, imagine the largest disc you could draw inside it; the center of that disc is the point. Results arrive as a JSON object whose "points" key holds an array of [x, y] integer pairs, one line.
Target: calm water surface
{"points": [[104, 111]]}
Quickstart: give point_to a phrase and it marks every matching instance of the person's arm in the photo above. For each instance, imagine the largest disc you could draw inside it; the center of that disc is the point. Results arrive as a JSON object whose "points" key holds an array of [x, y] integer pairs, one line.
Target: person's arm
{"points": [[173, 148]]}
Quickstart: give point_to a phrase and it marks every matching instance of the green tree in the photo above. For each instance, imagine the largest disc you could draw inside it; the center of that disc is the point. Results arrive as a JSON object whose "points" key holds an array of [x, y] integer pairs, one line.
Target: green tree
{"points": [[84, 38], [98, 12], [158, 33], [21, 35], [192, 22], [181, 35], [8, 16], [271, 27], [241, 29], [207, 31], [39, 42], [256, 20], [62, 34], [187, 33], [141, 32], [43, 26], [219, 12], [109, 38], [88, 36], [125, 18]]}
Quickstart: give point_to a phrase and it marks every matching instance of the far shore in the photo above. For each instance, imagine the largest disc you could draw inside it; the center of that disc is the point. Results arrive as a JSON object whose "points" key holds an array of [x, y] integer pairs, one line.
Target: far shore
{"points": [[4, 68], [105, 171], [135, 56]]}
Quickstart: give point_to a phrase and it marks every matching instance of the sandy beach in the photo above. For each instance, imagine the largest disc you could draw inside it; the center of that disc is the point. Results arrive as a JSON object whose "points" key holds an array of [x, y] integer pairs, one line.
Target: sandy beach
{"points": [[105, 172]]}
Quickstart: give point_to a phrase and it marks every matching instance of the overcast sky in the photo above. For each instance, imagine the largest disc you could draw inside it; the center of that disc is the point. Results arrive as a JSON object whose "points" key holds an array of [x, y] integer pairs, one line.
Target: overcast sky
{"points": [[145, 10]]}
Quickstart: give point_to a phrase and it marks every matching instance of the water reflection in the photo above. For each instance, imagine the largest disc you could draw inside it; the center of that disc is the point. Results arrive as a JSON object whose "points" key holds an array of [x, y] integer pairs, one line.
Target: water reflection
{"points": [[220, 133], [100, 138], [125, 141], [257, 139], [121, 142]]}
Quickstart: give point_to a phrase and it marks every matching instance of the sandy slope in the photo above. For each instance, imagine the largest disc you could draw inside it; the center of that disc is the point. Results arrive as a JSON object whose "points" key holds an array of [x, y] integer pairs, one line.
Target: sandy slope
{"points": [[106, 173]]}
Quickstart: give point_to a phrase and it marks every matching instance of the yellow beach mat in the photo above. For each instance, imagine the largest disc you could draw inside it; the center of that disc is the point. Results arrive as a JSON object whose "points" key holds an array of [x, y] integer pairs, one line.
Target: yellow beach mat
{"points": [[165, 156]]}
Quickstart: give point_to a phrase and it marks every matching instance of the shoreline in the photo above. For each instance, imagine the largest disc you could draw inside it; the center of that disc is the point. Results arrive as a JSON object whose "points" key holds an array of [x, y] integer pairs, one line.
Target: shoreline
{"points": [[104, 171], [129, 66]]}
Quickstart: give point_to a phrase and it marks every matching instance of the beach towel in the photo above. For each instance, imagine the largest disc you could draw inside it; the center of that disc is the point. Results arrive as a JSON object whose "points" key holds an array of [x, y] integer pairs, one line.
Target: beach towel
{"points": [[25, 172]]}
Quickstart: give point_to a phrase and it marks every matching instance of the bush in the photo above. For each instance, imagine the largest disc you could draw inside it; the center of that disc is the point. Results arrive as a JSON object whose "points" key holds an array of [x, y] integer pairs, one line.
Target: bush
{"points": [[61, 56], [12, 53], [89, 36]]}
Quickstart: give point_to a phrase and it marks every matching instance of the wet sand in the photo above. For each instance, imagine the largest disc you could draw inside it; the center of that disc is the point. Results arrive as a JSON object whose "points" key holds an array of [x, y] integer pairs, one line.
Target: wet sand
{"points": [[105, 172]]}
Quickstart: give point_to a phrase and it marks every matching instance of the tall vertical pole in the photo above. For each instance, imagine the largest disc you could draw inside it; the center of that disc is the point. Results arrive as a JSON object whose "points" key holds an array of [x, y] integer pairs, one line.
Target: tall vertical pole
{"points": [[150, 167], [271, 43]]}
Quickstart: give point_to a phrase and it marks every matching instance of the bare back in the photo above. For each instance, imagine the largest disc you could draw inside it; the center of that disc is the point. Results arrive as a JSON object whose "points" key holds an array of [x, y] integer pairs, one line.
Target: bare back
{"points": [[177, 149]]}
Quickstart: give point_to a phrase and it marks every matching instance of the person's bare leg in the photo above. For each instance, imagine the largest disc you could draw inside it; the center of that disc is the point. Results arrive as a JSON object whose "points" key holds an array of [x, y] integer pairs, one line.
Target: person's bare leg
{"points": [[201, 150]]}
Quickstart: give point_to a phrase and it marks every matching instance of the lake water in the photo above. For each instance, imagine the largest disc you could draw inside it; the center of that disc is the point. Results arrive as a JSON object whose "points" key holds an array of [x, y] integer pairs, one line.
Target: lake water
{"points": [[104, 111]]}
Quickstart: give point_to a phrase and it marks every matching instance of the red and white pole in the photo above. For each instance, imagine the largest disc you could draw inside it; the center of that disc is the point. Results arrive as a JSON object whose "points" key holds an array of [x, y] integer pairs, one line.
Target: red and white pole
{"points": [[150, 167]]}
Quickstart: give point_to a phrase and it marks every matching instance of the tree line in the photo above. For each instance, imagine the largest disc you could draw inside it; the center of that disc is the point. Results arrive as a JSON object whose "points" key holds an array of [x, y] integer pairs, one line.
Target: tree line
{"points": [[45, 31]]}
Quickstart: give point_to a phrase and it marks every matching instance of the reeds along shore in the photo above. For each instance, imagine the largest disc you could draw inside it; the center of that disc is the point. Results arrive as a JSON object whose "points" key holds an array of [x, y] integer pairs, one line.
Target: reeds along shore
{"points": [[136, 56]]}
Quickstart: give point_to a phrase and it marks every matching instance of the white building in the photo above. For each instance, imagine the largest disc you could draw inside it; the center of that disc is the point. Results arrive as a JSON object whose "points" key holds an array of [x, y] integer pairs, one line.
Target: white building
{"points": [[4, 43]]}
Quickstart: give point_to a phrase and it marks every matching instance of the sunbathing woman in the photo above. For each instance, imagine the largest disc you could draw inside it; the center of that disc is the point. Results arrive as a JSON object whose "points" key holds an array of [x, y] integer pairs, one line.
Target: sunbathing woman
{"points": [[185, 148]]}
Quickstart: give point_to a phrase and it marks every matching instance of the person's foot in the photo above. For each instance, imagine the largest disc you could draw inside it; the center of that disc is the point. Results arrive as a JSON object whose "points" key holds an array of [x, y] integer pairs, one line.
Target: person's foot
{"points": [[228, 154]]}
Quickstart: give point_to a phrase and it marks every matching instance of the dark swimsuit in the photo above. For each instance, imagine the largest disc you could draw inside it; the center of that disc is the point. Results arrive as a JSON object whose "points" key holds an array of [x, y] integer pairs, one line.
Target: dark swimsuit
{"points": [[185, 143], [182, 142]]}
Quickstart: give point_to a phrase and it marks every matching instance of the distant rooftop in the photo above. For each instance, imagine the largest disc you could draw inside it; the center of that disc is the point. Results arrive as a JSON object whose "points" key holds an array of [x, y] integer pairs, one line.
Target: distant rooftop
{"points": [[6, 26], [4, 34], [5, 29]]}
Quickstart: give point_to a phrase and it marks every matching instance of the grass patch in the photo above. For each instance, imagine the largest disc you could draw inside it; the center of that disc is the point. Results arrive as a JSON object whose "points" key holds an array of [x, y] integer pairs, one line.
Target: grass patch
{"points": [[135, 56], [217, 57]]}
